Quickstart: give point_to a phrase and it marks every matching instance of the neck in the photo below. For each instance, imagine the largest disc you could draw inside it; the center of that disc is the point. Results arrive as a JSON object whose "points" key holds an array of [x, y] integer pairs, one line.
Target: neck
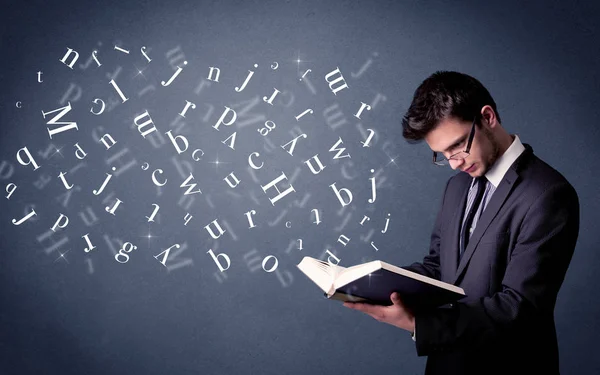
{"points": [[504, 143]]}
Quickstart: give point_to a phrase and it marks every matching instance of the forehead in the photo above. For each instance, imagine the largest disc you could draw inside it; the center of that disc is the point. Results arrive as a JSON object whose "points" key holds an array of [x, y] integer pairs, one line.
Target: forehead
{"points": [[447, 132]]}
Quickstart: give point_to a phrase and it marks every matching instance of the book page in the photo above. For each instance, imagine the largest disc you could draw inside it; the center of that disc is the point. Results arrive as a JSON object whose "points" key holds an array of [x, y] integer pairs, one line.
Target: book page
{"points": [[321, 273], [355, 272]]}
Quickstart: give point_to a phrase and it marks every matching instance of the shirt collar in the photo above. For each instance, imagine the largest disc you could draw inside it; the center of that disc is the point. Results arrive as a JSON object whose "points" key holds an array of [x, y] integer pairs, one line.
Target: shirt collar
{"points": [[501, 166]]}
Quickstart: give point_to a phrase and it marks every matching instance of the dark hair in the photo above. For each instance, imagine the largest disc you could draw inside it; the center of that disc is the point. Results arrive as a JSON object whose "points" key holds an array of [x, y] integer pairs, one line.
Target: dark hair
{"points": [[444, 94]]}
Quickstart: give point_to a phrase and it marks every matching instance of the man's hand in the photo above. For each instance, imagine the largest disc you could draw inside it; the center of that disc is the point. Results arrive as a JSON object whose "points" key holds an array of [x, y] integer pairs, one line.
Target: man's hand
{"points": [[397, 314]]}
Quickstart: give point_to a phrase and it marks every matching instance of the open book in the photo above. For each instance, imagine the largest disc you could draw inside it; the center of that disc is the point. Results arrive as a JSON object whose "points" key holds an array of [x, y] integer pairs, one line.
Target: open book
{"points": [[374, 282]]}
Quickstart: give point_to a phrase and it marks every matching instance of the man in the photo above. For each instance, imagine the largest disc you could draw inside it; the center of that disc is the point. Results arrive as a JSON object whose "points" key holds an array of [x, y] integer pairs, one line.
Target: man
{"points": [[505, 233]]}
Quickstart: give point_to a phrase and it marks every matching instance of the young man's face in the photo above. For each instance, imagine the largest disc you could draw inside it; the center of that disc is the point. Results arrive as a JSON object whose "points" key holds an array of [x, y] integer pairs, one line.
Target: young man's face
{"points": [[451, 136]]}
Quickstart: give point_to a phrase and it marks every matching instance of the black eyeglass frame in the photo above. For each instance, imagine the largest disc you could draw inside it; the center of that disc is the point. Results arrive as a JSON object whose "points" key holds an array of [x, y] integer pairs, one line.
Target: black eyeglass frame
{"points": [[466, 151]]}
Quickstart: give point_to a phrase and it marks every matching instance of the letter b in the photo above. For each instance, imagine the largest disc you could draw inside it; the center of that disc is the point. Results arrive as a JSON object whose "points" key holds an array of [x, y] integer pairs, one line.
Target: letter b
{"points": [[339, 195], [216, 259], [174, 141]]}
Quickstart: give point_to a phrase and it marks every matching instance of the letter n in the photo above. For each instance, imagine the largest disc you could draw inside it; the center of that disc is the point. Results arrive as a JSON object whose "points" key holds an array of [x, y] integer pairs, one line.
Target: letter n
{"points": [[66, 56]]}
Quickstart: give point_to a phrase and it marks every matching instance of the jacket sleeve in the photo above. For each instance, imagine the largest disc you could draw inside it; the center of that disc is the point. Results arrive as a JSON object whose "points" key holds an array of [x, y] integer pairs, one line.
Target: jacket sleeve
{"points": [[533, 277], [431, 263]]}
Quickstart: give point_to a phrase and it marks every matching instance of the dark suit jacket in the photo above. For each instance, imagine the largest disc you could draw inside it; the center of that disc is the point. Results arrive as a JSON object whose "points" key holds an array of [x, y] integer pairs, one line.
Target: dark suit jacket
{"points": [[511, 271]]}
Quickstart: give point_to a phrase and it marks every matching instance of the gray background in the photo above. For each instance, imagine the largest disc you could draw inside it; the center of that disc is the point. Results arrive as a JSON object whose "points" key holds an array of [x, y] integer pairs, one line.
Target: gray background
{"points": [[87, 313]]}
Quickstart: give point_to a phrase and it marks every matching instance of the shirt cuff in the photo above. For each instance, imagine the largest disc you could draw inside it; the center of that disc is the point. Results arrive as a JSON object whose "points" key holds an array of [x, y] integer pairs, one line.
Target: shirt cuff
{"points": [[414, 334]]}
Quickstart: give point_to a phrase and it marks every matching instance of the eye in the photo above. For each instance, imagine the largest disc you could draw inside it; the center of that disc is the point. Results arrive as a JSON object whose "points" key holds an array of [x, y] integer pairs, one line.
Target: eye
{"points": [[459, 146], [455, 149]]}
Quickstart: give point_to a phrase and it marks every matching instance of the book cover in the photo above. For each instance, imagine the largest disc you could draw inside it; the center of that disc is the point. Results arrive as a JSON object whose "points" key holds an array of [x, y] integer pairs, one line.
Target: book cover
{"points": [[374, 282]]}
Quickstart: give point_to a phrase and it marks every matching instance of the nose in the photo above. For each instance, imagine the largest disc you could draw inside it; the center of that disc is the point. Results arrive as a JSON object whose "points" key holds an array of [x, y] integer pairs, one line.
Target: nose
{"points": [[456, 163]]}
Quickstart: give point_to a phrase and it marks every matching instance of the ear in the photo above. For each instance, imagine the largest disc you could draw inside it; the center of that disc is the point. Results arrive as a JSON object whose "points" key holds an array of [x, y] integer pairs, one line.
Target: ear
{"points": [[488, 117]]}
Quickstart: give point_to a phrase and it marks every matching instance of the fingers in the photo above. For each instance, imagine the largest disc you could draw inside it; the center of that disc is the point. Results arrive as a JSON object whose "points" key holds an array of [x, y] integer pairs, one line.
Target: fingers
{"points": [[374, 311], [395, 297], [364, 307], [398, 303], [395, 314]]}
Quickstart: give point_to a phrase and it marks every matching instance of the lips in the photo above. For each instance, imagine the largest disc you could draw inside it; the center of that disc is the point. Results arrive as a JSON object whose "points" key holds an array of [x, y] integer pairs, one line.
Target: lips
{"points": [[470, 169]]}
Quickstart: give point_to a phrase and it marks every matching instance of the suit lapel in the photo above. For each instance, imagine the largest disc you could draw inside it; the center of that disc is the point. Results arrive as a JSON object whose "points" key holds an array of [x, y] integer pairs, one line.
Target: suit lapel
{"points": [[496, 201], [455, 229]]}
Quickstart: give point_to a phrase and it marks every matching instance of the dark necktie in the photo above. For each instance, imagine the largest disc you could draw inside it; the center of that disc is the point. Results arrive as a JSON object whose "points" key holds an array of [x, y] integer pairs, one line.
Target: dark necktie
{"points": [[480, 181]]}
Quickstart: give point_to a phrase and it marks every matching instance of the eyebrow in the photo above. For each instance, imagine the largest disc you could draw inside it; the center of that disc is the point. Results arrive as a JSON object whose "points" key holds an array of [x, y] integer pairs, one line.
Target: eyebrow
{"points": [[456, 143]]}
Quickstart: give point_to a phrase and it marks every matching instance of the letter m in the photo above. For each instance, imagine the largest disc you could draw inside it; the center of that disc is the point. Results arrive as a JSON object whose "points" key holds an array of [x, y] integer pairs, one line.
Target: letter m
{"points": [[54, 121], [332, 82]]}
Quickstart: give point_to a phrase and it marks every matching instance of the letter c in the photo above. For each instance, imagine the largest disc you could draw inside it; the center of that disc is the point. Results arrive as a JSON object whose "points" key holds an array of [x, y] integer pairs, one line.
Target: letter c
{"points": [[19, 105], [154, 178], [194, 153], [345, 173], [252, 164]]}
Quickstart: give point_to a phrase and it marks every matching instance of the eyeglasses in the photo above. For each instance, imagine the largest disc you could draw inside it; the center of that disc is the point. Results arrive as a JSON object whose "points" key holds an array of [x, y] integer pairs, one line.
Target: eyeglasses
{"points": [[439, 159]]}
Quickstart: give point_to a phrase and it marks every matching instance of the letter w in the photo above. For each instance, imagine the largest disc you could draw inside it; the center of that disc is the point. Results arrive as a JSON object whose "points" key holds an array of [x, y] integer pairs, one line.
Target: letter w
{"points": [[339, 150], [186, 184]]}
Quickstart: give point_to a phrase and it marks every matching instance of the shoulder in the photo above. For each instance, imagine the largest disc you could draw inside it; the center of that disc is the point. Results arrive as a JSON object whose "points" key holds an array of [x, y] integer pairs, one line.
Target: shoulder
{"points": [[539, 178], [536, 178], [459, 181]]}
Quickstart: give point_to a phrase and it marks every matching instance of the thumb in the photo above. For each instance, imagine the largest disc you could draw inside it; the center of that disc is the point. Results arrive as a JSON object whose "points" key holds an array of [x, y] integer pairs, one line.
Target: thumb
{"points": [[396, 298]]}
